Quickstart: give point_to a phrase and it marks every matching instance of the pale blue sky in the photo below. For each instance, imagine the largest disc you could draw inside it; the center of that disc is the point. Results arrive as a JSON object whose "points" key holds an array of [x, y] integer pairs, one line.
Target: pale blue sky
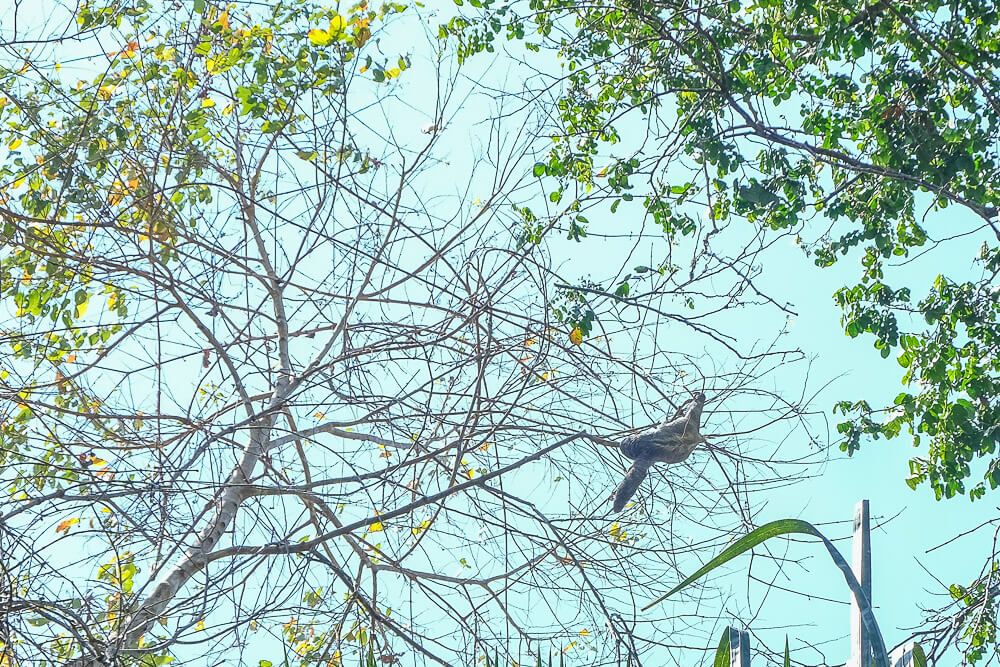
{"points": [[854, 370], [906, 523]]}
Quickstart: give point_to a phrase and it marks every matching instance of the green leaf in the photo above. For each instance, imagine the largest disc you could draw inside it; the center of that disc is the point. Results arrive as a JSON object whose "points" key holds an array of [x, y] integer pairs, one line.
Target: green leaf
{"points": [[788, 658], [722, 657], [786, 527], [757, 194]]}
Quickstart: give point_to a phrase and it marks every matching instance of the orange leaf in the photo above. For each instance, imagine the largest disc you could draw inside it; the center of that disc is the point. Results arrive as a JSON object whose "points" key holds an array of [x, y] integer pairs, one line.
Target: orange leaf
{"points": [[66, 524]]}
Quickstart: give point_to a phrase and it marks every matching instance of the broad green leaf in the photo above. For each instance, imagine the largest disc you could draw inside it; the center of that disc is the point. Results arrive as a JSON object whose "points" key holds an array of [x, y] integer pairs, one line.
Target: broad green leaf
{"points": [[786, 527], [722, 654]]}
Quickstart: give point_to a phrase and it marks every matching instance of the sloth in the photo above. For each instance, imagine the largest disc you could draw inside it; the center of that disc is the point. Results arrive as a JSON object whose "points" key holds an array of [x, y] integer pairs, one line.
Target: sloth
{"points": [[670, 442]]}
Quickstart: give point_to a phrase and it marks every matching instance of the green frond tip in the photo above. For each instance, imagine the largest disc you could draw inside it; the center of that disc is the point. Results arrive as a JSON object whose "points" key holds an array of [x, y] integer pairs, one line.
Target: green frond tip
{"points": [[788, 657], [788, 527], [722, 658]]}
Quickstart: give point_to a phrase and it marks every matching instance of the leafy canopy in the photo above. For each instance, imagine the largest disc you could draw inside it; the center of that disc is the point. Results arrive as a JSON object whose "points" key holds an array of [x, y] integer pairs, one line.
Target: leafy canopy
{"points": [[853, 126]]}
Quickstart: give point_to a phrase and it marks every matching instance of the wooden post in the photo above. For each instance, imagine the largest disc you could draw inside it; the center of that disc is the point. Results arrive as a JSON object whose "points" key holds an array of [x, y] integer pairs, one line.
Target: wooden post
{"points": [[739, 648], [861, 650]]}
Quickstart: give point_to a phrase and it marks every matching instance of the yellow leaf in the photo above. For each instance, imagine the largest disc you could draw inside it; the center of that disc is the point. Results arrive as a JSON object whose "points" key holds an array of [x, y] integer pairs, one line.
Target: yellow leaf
{"points": [[319, 37], [569, 647], [105, 92], [14, 144], [207, 103], [576, 336], [585, 632], [199, 626], [224, 20], [337, 24], [66, 524], [376, 527], [470, 473], [81, 309], [392, 73], [253, 625], [617, 532], [319, 415], [424, 525]]}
